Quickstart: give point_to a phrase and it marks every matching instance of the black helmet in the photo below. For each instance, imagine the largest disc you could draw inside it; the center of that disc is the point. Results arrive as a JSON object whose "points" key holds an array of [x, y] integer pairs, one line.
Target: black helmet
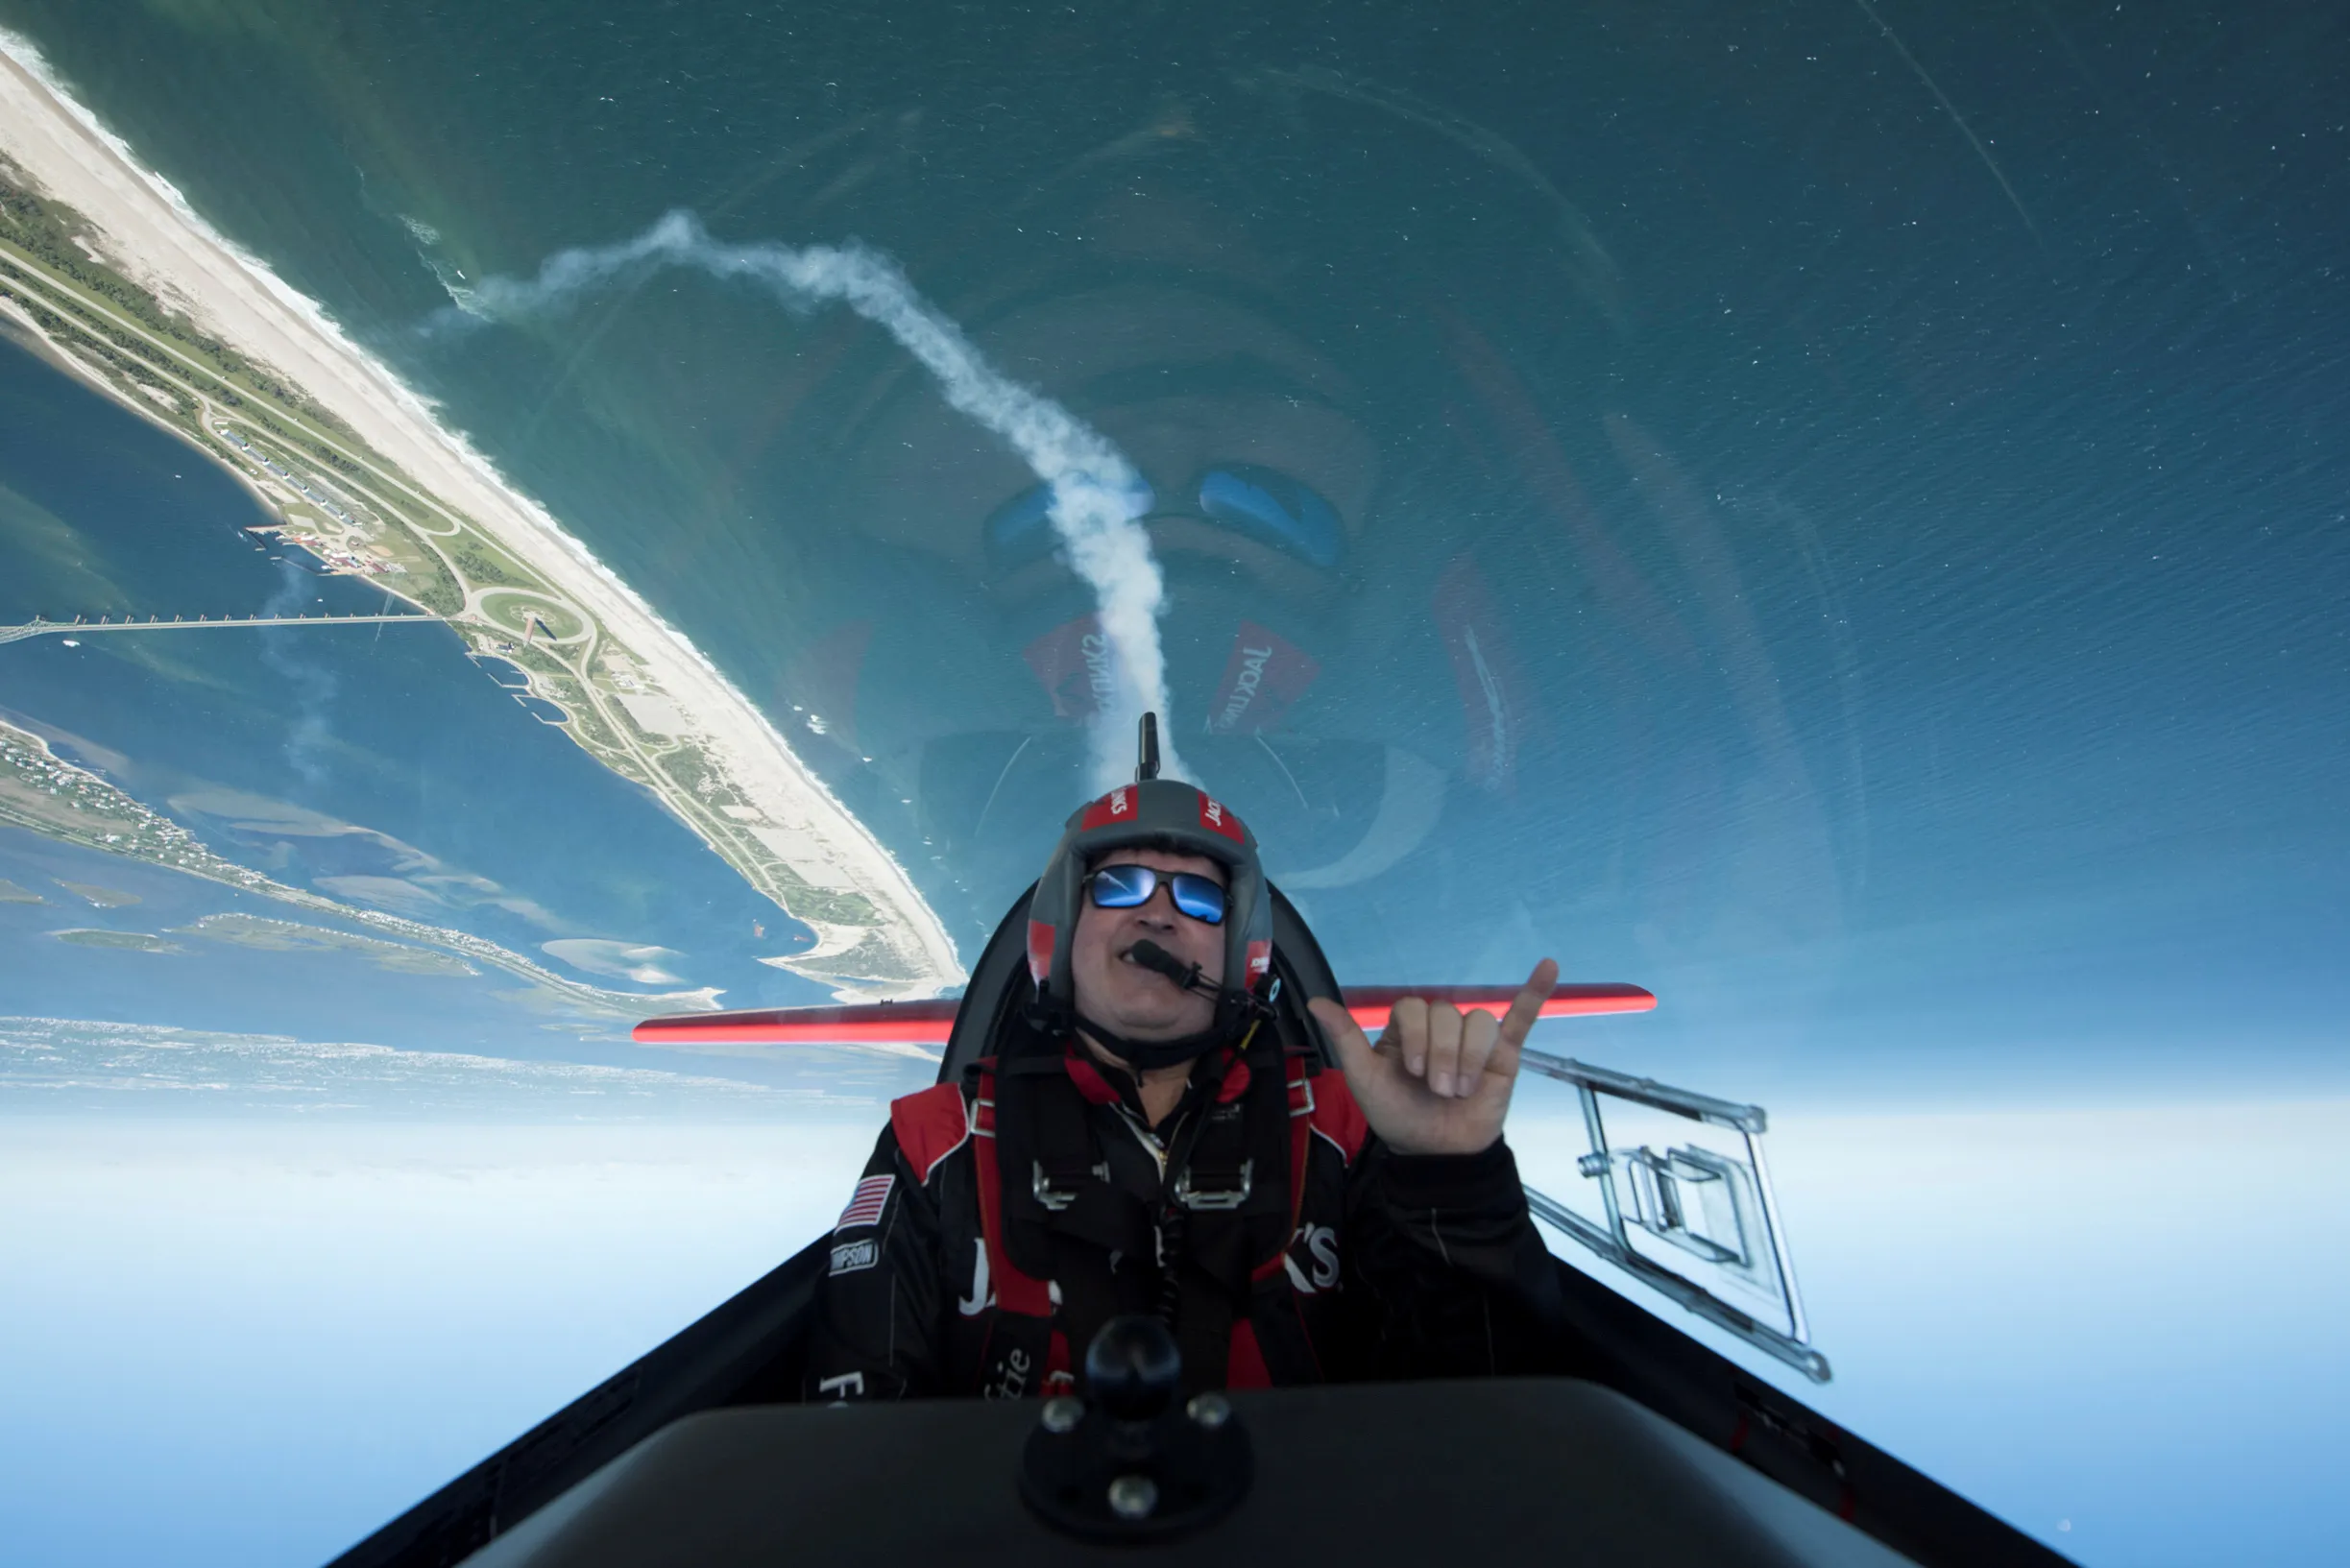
{"points": [[1157, 814]]}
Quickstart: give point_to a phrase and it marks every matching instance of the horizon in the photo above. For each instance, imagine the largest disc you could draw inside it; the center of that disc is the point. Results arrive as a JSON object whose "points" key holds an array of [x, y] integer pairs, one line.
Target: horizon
{"points": [[1885, 602]]}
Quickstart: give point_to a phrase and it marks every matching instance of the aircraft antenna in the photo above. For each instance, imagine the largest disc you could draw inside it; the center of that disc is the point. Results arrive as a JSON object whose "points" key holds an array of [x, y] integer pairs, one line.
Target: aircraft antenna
{"points": [[1147, 748]]}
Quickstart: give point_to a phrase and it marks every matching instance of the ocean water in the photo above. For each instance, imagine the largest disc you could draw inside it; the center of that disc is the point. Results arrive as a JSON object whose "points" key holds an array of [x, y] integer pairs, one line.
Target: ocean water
{"points": [[1839, 516], [376, 765]]}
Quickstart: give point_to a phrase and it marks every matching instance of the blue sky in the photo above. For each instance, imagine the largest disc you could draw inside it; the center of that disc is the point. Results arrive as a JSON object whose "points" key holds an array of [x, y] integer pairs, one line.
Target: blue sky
{"points": [[1867, 561], [266, 1293], [2115, 1325], [246, 1344], [242, 1338]]}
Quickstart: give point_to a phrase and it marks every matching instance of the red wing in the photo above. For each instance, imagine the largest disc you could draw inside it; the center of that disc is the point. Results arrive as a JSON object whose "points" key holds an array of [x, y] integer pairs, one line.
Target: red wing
{"points": [[1370, 1003], [929, 1023], [876, 1023]]}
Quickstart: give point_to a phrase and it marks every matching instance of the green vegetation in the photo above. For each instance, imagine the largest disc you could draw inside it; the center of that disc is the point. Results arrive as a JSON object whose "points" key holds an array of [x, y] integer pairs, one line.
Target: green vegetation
{"points": [[288, 936], [591, 731], [517, 611], [485, 569], [432, 585], [534, 658], [688, 767], [120, 941], [638, 731], [54, 238], [11, 893], [103, 898], [560, 622], [835, 908]]}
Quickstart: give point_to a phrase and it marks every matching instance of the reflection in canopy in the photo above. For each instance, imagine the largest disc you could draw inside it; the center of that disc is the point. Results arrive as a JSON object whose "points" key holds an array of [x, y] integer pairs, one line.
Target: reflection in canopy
{"points": [[1401, 634]]}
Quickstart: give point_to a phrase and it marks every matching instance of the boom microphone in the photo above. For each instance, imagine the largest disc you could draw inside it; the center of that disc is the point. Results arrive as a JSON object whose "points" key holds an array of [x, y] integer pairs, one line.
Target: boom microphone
{"points": [[1152, 957], [1157, 959]]}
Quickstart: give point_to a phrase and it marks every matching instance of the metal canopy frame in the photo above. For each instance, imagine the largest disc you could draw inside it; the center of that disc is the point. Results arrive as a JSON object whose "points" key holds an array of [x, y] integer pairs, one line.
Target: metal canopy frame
{"points": [[1655, 1180]]}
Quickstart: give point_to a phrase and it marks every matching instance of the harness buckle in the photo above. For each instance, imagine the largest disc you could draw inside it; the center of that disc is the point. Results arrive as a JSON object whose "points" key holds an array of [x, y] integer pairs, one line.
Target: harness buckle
{"points": [[1221, 1198], [1056, 1198]]}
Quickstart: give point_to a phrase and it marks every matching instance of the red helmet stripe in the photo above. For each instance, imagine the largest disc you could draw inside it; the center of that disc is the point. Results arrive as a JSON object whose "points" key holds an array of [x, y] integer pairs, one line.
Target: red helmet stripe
{"points": [[1118, 806], [1217, 818], [1040, 950]]}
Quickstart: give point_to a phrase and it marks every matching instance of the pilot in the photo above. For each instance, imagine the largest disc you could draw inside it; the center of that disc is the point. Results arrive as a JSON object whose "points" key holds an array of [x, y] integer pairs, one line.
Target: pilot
{"points": [[1152, 1134]]}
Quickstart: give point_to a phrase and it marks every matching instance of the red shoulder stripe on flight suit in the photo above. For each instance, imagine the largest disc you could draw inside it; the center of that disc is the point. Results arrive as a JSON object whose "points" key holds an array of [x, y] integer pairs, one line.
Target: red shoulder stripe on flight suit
{"points": [[1244, 1366], [930, 1126], [1235, 1083], [1092, 1087], [1013, 1292], [1337, 1117]]}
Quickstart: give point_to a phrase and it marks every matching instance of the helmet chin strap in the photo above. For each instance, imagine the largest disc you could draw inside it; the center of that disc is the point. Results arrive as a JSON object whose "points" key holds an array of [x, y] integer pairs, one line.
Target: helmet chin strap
{"points": [[1151, 1055]]}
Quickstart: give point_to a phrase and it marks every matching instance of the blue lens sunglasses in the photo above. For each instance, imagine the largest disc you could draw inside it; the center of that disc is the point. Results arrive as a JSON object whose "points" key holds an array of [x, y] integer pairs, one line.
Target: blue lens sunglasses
{"points": [[1259, 503], [1129, 887]]}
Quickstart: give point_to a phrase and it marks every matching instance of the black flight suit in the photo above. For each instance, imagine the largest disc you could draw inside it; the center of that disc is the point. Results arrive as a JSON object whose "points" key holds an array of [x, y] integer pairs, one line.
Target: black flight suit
{"points": [[1396, 1265]]}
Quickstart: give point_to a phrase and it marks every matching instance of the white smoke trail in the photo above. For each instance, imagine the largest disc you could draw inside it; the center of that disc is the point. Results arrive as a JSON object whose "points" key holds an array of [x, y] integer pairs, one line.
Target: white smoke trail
{"points": [[1096, 493]]}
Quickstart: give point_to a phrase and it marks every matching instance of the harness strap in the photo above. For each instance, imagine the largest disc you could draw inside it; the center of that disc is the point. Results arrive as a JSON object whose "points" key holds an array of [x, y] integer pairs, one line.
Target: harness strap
{"points": [[1060, 1177], [1025, 1351], [1302, 1107], [1273, 1339], [1233, 1147], [1014, 1291]]}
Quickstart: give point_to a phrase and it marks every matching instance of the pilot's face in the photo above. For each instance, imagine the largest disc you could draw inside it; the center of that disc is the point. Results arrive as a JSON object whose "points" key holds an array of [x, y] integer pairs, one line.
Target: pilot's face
{"points": [[1122, 995], [1185, 386]]}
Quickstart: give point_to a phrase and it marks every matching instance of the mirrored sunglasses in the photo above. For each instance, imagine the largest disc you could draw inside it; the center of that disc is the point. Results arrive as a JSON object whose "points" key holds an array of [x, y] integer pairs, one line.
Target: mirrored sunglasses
{"points": [[1129, 887], [1260, 503]]}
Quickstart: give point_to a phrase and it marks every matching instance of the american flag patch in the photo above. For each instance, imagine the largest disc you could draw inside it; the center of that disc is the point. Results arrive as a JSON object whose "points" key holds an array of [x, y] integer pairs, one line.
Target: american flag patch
{"points": [[866, 1202]]}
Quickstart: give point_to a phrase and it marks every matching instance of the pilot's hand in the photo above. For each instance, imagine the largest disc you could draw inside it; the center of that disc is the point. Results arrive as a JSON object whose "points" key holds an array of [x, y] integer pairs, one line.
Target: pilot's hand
{"points": [[1439, 1080]]}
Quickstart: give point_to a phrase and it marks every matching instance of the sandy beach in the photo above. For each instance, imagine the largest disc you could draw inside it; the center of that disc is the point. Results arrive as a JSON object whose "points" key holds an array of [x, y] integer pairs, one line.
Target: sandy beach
{"points": [[145, 229]]}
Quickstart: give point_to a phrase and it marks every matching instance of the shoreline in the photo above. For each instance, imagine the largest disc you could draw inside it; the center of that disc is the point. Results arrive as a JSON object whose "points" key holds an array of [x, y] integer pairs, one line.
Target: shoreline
{"points": [[145, 837], [141, 226], [21, 331]]}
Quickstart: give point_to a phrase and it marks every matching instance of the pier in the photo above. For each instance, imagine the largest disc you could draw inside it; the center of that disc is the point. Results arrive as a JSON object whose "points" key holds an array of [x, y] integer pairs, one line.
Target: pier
{"points": [[37, 626]]}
